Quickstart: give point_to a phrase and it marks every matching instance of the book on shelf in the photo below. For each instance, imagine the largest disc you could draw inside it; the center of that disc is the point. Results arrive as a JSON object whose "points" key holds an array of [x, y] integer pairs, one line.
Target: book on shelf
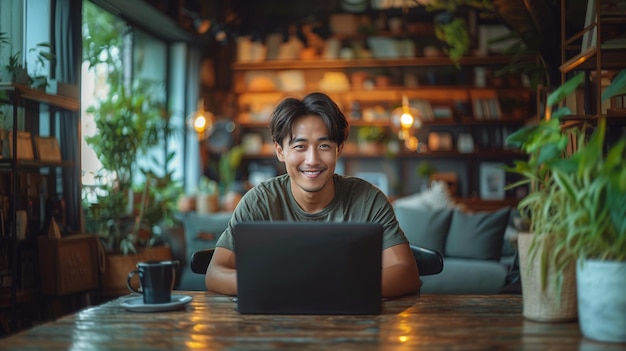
{"points": [[24, 145]]}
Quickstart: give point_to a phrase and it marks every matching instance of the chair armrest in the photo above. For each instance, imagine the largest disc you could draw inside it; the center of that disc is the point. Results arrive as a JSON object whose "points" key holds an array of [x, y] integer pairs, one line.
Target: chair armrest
{"points": [[200, 260], [429, 262]]}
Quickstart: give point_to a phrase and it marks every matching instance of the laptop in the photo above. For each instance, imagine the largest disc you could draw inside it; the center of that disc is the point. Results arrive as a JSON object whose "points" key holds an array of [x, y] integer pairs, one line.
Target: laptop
{"points": [[308, 267]]}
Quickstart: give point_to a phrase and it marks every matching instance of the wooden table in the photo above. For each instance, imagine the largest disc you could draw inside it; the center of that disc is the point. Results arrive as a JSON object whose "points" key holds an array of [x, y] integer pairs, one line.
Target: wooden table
{"points": [[210, 322]]}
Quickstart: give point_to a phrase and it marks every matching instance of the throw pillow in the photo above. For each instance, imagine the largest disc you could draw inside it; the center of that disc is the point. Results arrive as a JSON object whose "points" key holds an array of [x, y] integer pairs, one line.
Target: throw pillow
{"points": [[477, 235], [424, 227], [435, 197]]}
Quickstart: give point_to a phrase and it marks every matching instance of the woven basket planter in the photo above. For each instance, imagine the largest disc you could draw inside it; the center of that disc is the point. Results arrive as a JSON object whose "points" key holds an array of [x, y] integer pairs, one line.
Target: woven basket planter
{"points": [[544, 303]]}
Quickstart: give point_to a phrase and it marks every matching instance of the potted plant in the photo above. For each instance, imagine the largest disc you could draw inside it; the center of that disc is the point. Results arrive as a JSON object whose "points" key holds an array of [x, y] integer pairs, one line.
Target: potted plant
{"points": [[578, 202], [19, 72], [425, 170], [128, 214], [371, 139], [593, 180], [43, 54], [451, 26], [547, 273], [228, 165]]}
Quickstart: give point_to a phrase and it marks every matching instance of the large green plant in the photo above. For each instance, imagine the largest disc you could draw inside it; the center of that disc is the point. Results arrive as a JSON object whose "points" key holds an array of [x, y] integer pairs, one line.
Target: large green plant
{"points": [[546, 145], [594, 184], [136, 191], [128, 126], [594, 180], [577, 194]]}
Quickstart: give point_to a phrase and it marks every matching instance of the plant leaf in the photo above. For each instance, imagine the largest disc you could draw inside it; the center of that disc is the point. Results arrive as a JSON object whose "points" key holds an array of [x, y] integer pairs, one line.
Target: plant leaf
{"points": [[617, 86], [566, 89]]}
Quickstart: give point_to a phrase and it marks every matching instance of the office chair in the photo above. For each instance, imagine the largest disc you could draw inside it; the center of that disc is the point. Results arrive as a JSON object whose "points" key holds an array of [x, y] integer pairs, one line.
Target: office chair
{"points": [[429, 262]]}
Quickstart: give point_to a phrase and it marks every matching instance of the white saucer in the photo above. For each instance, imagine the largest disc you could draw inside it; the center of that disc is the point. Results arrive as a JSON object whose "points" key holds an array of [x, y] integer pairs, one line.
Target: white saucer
{"points": [[135, 304]]}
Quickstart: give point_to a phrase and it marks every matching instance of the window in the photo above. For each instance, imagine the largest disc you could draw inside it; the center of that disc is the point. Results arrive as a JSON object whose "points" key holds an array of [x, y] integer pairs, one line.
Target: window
{"points": [[133, 118]]}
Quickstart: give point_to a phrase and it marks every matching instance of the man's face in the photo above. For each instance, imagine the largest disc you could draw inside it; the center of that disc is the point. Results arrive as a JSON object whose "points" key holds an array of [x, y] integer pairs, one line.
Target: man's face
{"points": [[310, 157]]}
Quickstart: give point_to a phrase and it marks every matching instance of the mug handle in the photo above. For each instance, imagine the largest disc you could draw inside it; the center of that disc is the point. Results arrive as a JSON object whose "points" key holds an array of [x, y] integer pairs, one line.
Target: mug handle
{"points": [[130, 287]]}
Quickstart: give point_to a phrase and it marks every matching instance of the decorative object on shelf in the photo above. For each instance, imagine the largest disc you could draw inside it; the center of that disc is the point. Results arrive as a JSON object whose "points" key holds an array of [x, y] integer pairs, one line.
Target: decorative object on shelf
{"points": [[291, 80], [24, 145], [440, 141], [252, 143], [492, 181], [424, 171], [47, 148], [334, 81], [406, 121], [207, 196], [200, 24], [21, 224], [450, 179], [442, 112], [371, 139], [465, 143], [354, 5], [228, 166]]}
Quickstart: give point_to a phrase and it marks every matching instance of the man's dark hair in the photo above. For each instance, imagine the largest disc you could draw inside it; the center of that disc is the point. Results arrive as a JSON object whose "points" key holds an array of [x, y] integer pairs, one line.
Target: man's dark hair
{"points": [[317, 104]]}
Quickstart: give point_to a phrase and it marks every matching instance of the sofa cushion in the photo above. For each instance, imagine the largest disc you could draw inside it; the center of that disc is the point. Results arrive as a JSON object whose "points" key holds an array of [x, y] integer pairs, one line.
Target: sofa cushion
{"points": [[465, 276], [425, 227], [477, 235]]}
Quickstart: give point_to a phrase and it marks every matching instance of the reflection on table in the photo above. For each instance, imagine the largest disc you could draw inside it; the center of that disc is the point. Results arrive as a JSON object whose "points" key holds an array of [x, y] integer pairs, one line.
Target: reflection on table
{"points": [[211, 322]]}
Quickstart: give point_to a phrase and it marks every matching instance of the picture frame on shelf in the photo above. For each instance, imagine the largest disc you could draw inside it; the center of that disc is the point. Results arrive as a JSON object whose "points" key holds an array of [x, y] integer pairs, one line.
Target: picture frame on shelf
{"points": [[47, 148], [492, 176], [589, 37]]}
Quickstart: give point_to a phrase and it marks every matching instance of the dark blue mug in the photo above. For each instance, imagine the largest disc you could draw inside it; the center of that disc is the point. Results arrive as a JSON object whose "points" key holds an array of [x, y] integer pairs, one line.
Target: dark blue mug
{"points": [[156, 280]]}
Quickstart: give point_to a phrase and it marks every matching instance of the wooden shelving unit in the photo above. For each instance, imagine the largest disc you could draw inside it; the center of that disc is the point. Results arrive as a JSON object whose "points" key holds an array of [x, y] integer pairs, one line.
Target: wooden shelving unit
{"points": [[403, 161], [14, 171]]}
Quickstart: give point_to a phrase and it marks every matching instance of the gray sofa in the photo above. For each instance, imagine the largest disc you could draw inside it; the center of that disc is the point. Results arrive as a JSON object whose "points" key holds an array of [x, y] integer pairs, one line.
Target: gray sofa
{"points": [[477, 259], [201, 231], [471, 263]]}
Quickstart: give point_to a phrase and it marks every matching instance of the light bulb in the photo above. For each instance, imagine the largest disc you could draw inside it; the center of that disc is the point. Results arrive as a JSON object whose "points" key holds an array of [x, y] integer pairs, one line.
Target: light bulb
{"points": [[200, 123], [406, 120]]}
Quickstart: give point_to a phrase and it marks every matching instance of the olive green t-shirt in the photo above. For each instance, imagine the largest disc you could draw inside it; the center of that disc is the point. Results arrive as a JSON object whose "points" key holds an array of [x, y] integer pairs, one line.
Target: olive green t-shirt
{"points": [[355, 201]]}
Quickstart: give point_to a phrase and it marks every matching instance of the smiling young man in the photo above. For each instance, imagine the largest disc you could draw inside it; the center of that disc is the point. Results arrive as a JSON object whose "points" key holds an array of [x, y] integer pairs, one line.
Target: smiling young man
{"points": [[308, 137]]}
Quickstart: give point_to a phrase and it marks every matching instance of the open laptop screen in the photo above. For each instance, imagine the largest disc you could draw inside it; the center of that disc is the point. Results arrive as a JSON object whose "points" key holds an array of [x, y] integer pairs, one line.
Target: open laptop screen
{"points": [[308, 267]]}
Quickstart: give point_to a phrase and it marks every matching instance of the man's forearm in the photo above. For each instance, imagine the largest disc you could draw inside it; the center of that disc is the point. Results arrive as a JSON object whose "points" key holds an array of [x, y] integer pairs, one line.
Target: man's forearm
{"points": [[398, 280], [221, 280]]}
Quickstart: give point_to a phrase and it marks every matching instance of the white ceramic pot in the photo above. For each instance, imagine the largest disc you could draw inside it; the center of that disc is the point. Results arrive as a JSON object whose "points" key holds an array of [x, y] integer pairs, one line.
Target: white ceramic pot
{"points": [[602, 299]]}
